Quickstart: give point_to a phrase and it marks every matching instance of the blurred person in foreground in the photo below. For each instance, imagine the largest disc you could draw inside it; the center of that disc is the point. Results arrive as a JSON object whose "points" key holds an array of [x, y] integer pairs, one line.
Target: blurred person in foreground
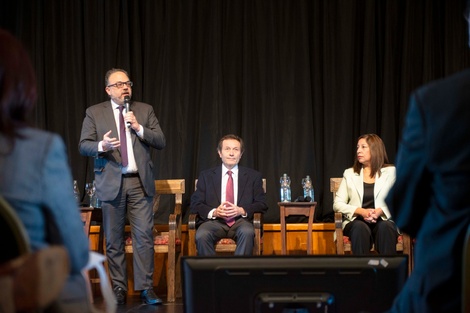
{"points": [[430, 197], [226, 198], [361, 199], [121, 142], [35, 178]]}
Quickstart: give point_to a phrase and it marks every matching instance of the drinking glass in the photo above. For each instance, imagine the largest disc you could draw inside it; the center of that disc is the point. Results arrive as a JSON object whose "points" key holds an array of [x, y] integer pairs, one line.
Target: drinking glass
{"points": [[90, 190]]}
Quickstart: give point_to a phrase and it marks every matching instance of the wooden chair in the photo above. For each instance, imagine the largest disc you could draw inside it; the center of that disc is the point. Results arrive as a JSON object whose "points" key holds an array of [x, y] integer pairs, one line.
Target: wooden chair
{"points": [[40, 275], [169, 242], [226, 245], [13, 231], [343, 243]]}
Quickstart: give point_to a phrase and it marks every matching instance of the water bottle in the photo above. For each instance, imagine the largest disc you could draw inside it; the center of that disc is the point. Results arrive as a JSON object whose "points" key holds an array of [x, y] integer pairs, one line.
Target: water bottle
{"points": [[76, 192], [285, 188], [96, 202], [308, 188]]}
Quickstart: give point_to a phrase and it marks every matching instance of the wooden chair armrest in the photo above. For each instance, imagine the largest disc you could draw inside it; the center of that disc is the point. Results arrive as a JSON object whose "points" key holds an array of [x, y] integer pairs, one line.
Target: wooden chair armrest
{"points": [[173, 222], [257, 218], [192, 234], [339, 233], [172, 231], [174, 226], [338, 220], [192, 221], [257, 224]]}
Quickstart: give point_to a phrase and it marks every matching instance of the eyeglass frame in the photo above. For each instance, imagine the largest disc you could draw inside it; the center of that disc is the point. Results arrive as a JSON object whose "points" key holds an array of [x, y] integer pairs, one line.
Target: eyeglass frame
{"points": [[120, 85]]}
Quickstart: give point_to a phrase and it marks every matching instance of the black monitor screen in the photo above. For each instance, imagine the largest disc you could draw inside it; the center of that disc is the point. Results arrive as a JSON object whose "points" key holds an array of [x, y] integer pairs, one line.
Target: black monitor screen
{"points": [[288, 284]]}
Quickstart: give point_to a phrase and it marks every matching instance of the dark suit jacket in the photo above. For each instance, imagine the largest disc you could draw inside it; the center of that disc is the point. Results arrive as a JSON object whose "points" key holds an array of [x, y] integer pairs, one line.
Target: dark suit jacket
{"points": [[99, 119], [251, 196], [429, 200]]}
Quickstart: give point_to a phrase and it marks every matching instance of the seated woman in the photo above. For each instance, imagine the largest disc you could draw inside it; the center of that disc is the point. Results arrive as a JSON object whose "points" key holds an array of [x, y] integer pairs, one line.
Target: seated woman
{"points": [[35, 176], [361, 199]]}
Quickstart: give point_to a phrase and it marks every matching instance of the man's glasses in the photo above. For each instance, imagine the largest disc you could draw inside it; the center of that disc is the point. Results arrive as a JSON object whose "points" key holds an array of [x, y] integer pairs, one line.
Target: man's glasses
{"points": [[121, 84]]}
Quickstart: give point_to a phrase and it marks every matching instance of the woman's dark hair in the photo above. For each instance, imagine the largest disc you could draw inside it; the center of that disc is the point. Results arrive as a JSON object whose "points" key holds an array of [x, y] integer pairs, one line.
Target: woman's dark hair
{"points": [[18, 93], [378, 155]]}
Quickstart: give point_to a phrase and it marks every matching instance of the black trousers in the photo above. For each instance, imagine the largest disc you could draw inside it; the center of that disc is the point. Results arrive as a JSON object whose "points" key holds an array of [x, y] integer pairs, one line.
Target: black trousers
{"points": [[383, 234]]}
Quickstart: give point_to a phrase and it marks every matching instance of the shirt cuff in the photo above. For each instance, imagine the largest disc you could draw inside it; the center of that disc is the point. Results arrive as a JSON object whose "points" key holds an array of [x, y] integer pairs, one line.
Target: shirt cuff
{"points": [[210, 215], [140, 133]]}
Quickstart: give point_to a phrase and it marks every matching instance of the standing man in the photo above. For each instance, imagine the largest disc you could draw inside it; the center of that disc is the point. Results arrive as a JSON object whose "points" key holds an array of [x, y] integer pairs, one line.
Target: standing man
{"points": [[226, 199], [430, 197], [120, 142]]}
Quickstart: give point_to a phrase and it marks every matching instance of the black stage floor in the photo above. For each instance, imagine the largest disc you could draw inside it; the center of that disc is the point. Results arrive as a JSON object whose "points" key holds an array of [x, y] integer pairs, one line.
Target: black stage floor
{"points": [[134, 304]]}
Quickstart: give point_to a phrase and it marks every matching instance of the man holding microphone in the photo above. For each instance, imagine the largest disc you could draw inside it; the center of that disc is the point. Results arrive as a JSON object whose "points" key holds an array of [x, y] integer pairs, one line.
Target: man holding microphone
{"points": [[119, 134]]}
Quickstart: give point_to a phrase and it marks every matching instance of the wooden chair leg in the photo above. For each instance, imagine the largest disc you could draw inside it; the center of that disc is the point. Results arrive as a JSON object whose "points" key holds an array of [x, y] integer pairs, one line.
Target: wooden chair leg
{"points": [[407, 250], [339, 233], [178, 290], [171, 276]]}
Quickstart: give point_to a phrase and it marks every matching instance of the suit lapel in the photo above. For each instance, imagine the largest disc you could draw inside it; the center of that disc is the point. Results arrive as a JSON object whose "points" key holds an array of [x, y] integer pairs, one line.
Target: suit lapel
{"points": [[359, 184], [108, 119], [242, 182], [133, 134], [216, 181], [380, 182]]}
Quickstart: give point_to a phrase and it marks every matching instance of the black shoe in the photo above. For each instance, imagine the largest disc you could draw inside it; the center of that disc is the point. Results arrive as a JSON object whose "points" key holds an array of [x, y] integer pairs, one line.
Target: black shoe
{"points": [[120, 294], [150, 297]]}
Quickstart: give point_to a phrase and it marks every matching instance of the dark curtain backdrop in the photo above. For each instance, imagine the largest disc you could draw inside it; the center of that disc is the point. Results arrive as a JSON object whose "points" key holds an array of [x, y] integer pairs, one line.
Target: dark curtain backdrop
{"points": [[298, 80]]}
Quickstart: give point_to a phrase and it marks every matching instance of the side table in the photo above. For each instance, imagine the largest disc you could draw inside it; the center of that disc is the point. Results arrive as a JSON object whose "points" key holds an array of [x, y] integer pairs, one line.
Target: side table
{"points": [[89, 215], [296, 208]]}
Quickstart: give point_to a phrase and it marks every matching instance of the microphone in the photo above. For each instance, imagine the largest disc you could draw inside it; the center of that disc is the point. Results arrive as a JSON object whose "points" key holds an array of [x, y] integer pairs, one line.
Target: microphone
{"points": [[126, 105], [303, 199]]}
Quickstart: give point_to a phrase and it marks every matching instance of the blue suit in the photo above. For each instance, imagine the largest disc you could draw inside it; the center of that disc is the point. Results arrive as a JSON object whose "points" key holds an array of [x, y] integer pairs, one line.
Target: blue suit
{"points": [[251, 198], [429, 200]]}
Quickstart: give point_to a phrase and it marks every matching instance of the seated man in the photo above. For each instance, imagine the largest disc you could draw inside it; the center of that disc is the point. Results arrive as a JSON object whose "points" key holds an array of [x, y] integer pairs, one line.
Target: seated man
{"points": [[226, 199]]}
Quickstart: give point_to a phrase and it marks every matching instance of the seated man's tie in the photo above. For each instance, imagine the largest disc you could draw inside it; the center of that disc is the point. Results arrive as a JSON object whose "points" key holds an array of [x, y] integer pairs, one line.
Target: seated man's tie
{"points": [[229, 196]]}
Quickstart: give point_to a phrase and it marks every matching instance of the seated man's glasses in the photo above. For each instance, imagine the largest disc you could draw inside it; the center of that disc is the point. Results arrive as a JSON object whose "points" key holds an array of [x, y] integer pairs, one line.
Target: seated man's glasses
{"points": [[121, 84]]}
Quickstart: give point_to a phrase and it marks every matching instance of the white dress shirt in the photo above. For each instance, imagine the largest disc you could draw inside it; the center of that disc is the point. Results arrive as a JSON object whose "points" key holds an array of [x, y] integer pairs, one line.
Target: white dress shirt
{"points": [[224, 187], [132, 165]]}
